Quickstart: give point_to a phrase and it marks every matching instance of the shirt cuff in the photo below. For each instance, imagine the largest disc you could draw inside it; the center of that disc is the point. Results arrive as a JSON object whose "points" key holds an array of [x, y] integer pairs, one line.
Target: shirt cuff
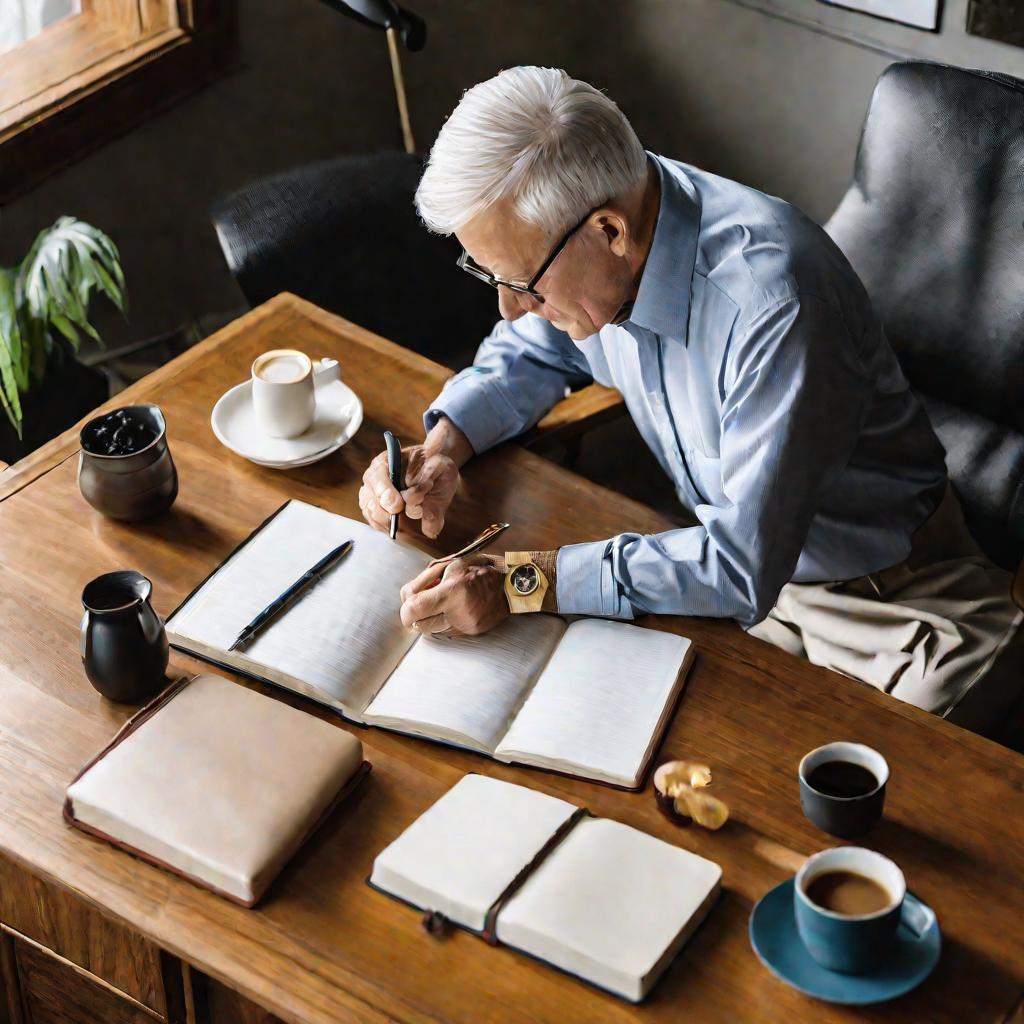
{"points": [[586, 585], [480, 411]]}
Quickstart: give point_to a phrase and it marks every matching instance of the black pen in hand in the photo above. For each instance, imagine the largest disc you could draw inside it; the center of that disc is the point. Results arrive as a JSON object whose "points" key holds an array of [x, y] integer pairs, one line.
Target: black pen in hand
{"points": [[395, 473]]}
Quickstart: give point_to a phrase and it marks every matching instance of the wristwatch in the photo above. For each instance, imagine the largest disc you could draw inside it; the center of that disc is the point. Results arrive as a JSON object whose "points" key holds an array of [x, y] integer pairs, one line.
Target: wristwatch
{"points": [[526, 585]]}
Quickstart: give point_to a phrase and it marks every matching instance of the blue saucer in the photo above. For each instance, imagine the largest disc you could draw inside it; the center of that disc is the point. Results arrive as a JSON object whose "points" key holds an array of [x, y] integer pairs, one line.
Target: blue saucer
{"points": [[778, 946]]}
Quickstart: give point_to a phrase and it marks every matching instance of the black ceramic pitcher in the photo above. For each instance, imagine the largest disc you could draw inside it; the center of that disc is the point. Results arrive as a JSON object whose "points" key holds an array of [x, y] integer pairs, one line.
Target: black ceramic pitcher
{"points": [[124, 646]]}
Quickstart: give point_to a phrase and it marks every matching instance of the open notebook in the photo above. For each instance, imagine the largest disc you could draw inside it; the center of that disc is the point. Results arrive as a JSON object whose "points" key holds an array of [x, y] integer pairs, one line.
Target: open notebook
{"points": [[591, 698], [596, 898]]}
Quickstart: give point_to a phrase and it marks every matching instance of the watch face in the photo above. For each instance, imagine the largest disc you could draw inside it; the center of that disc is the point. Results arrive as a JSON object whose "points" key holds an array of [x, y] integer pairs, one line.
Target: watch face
{"points": [[525, 579]]}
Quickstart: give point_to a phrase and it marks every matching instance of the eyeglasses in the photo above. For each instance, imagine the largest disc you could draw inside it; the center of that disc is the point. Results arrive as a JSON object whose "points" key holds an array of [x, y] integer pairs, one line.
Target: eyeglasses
{"points": [[470, 266]]}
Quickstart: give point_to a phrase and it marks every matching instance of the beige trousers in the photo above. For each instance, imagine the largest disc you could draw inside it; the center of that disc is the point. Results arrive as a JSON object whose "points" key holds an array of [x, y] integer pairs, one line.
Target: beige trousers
{"points": [[939, 630]]}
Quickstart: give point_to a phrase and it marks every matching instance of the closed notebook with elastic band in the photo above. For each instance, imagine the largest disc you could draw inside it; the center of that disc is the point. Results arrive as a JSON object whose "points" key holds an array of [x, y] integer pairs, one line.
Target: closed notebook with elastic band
{"points": [[593, 897], [216, 783]]}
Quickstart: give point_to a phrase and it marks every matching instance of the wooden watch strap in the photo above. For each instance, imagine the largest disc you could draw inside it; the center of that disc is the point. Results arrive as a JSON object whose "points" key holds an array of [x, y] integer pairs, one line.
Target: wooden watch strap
{"points": [[547, 562]]}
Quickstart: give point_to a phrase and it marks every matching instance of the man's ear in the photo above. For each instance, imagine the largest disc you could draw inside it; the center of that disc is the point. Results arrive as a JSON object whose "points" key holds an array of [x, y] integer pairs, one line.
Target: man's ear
{"points": [[613, 227]]}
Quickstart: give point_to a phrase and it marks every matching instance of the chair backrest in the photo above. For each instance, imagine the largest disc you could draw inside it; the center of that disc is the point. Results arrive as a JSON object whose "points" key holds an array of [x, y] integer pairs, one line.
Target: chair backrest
{"points": [[344, 234], [934, 224]]}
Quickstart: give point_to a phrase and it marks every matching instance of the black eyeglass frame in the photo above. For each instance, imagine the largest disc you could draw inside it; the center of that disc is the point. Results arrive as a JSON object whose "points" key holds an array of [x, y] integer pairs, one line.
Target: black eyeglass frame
{"points": [[465, 262]]}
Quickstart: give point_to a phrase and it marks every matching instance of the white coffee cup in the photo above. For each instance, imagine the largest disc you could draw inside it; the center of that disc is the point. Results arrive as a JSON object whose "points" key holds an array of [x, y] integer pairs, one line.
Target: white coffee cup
{"points": [[283, 397]]}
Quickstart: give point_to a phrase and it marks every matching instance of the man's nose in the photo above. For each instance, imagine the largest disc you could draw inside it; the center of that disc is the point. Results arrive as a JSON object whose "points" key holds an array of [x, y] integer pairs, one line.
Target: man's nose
{"points": [[512, 305]]}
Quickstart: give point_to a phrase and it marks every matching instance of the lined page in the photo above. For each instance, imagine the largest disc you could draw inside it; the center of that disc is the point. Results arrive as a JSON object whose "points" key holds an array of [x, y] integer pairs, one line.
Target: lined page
{"points": [[341, 639], [460, 855], [467, 689], [611, 904], [598, 706]]}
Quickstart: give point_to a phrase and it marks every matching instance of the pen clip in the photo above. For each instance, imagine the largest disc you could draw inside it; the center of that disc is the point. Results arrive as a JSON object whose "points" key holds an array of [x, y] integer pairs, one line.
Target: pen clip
{"points": [[480, 541]]}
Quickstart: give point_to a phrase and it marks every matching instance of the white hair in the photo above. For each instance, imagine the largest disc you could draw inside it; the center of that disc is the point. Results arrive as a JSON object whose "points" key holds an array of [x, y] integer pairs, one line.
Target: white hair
{"points": [[556, 146]]}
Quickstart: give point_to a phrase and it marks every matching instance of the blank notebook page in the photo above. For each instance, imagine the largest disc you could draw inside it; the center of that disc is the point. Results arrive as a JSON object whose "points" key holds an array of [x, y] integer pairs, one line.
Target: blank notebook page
{"points": [[459, 856], [342, 636], [599, 701], [470, 686], [608, 904]]}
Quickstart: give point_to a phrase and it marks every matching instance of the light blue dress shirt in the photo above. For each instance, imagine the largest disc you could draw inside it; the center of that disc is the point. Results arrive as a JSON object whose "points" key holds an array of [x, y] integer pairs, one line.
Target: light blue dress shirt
{"points": [[759, 376]]}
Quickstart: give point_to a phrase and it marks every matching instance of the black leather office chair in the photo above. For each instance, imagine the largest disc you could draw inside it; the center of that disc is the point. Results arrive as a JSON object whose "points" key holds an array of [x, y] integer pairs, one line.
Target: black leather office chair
{"points": [[344, 234], [934, 224]]}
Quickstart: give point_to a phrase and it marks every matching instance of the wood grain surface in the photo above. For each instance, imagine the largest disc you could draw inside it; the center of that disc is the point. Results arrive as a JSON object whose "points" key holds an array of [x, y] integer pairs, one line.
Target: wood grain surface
{"points": [[322, 947]]}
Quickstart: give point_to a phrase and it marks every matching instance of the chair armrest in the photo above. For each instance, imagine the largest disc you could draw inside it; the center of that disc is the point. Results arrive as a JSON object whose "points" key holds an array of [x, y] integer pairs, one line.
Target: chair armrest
{"points": [[574, 416], [1018, 586], [3, 465]]}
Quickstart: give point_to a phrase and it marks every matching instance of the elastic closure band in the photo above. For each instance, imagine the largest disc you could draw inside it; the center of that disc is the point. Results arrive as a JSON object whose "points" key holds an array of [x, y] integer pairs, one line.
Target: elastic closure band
{"points": [[491, 919]]}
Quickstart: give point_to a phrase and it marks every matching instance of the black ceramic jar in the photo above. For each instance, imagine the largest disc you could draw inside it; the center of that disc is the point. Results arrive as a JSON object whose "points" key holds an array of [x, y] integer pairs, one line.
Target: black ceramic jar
{"points": [[124, 646], [125, 468]]}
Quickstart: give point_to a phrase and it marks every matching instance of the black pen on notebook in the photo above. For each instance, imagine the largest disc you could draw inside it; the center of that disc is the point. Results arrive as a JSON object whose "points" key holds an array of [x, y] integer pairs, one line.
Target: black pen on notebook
{"points": [[279, 604], [395, 473]]}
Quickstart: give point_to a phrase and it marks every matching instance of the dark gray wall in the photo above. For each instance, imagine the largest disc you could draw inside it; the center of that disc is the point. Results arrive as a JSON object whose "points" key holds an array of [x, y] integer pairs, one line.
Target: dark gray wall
{"points": [[771, 92]]}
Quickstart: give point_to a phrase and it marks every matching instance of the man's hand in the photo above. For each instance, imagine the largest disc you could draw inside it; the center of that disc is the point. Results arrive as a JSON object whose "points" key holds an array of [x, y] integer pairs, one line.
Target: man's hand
{"points": [[431, 473], [463, 598]]}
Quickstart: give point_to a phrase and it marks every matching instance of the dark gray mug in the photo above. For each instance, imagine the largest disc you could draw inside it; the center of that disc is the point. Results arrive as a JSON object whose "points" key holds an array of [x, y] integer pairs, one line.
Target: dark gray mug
{"points": [[853, 944], [842, 815]]}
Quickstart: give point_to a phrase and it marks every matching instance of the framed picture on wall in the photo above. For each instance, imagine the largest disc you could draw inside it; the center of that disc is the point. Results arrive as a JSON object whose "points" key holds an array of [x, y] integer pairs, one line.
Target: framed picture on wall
{"points": [[919, 13]]}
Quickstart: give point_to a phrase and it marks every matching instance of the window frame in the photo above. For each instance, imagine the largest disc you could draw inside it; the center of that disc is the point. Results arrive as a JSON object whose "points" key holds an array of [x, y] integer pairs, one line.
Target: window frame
{"points": [[105, 70]]}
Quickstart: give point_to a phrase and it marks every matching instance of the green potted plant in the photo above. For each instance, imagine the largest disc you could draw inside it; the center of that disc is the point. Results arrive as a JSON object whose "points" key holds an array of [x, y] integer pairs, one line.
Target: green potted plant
{"points": [[44, 305]]}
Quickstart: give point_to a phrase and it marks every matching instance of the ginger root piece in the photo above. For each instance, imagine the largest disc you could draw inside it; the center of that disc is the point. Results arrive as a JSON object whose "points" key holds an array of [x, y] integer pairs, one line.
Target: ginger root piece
{"points": [[673, 774], [678, 791], [704, 808]]}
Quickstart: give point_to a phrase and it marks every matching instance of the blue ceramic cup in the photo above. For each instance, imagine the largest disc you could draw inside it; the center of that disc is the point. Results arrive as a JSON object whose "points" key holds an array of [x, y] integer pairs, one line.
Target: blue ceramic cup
{"points": [[845, 816], [855, 943]]}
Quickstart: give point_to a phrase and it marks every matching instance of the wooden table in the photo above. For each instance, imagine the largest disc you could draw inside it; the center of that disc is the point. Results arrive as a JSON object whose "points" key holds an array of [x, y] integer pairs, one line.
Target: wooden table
{"points": [[322, 947]]}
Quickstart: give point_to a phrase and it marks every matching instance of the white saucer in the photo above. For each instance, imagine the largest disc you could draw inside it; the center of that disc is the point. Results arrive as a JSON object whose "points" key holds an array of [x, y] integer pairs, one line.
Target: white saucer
{"points": [[339, 414]]}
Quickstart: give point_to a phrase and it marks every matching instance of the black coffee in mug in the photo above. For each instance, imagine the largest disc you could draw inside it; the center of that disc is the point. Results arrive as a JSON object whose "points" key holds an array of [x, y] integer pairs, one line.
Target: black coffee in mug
{"points": [[842, 778], [842, 788]]}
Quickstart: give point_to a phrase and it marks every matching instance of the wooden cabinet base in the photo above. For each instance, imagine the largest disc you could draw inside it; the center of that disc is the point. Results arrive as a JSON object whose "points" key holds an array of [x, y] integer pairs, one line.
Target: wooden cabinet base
{"points": [[55, 919], [55, 991], [217, 1004]]}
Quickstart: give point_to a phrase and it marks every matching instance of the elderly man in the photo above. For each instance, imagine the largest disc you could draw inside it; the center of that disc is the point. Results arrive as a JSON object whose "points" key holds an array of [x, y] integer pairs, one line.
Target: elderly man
{"points": [[748, 355]]}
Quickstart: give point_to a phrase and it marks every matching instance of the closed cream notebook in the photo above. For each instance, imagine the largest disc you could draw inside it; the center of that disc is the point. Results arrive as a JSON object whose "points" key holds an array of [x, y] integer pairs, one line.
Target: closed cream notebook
{"points": [[596, 898], [217, 783]]}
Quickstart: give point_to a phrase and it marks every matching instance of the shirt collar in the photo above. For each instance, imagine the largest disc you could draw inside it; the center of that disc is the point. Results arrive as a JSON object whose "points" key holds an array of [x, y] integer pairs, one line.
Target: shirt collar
{"points": [[662, 302]]}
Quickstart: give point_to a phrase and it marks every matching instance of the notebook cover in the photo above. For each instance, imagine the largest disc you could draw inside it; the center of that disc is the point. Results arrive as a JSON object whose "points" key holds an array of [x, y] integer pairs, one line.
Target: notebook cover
{"points": [[130, 726]]}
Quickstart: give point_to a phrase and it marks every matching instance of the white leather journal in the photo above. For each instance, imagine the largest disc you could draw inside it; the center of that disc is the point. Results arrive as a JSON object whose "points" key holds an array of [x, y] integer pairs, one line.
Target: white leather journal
{"points": [[217, 783], [595, 898]]}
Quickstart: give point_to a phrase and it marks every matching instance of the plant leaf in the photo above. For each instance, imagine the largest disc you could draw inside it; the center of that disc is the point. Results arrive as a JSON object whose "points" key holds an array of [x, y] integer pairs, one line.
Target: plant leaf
{"points": [[10, 327], [66, 263], [64, 325], [11, 349]]}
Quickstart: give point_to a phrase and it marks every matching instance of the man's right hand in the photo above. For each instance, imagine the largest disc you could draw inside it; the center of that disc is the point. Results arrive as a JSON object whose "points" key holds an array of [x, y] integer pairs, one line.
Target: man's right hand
{"points": [[431, 473]]}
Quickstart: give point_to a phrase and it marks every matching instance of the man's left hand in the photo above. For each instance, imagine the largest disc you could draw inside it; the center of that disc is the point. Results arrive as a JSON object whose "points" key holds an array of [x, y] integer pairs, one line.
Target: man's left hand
{"points": [[462, 598]]}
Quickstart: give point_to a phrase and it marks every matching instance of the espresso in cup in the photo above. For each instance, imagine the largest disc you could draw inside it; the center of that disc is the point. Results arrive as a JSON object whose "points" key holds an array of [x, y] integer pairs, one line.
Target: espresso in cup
{"points": [[842, 788], [283, 397]]}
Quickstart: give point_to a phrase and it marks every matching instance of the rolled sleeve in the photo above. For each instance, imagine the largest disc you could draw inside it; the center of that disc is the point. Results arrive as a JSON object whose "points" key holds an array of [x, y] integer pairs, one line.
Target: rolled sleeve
{"points": [[586, 584], [522, 369], [477, 407]]}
